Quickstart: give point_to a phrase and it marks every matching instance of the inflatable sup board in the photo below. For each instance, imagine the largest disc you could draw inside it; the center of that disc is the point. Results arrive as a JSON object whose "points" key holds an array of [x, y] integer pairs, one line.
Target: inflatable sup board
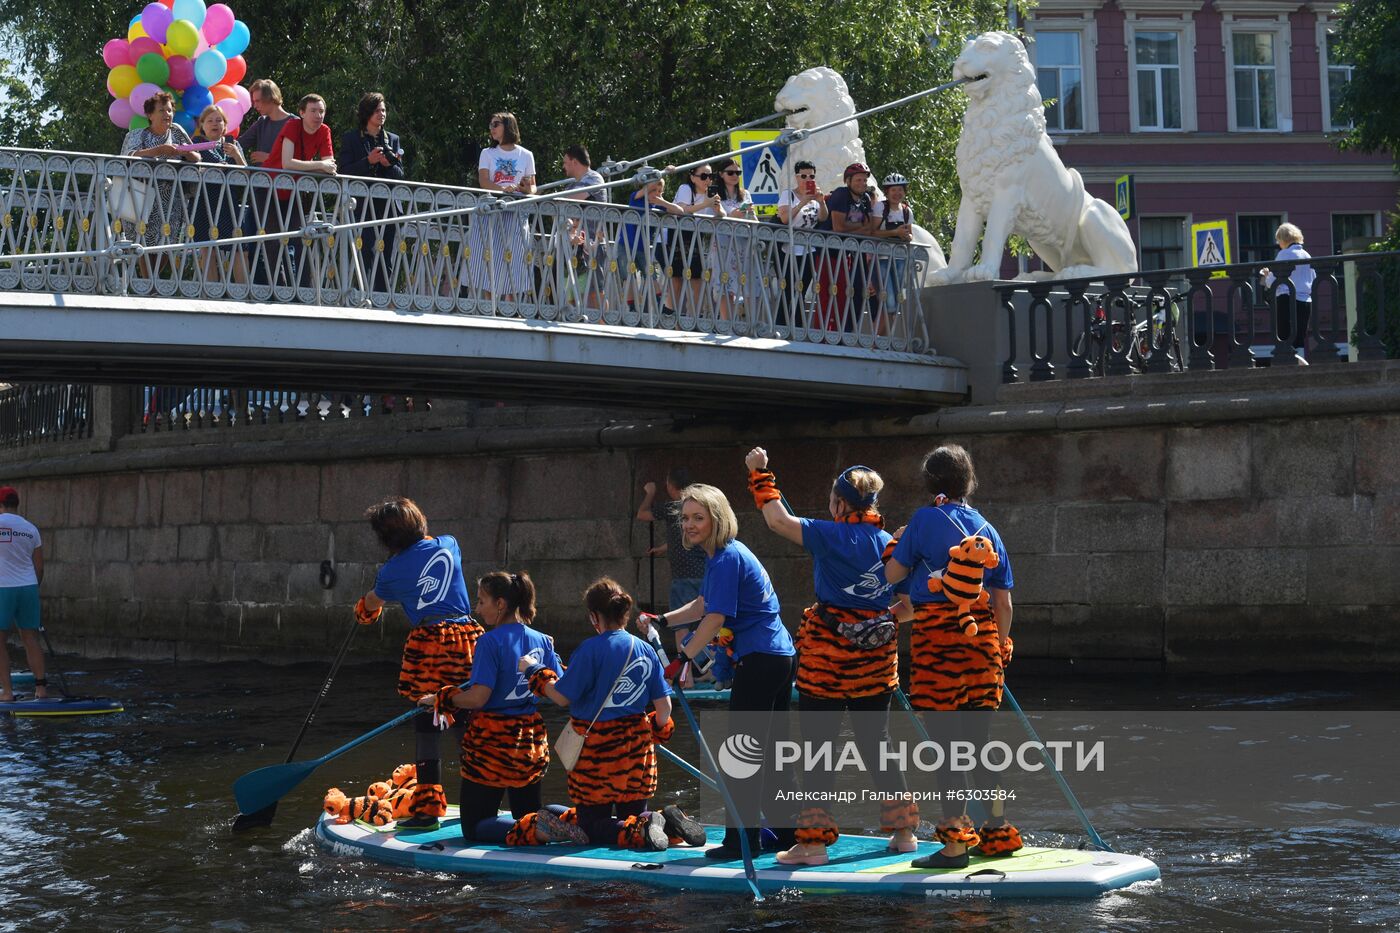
{"points": [[714, 693], [62, 706], [859, 865]]}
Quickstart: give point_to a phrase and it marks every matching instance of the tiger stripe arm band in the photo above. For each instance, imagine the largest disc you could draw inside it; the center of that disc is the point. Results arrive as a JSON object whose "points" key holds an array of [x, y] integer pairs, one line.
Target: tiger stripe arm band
{"points": [[888, 553], [764, 487], [540, 679], [443, 704], [660, 735], [364, 616]]}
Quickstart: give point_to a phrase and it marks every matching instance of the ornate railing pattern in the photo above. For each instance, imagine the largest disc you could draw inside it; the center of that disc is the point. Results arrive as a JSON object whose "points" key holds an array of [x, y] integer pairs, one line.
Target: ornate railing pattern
{"points": [[183, 408], [97, 224], [37, 412]]}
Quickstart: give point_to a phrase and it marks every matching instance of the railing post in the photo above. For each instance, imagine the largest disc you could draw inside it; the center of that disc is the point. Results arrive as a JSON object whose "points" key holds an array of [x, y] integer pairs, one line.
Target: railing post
{"points": [[1009, 372]]}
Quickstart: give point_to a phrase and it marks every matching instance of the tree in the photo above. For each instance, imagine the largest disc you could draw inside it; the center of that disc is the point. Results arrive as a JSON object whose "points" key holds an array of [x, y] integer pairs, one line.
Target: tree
{"points": [[626, 77]]}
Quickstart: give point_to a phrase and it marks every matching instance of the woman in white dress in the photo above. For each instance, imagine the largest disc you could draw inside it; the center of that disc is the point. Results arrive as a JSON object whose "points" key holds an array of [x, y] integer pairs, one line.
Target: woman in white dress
{"points": [[498, 264]]}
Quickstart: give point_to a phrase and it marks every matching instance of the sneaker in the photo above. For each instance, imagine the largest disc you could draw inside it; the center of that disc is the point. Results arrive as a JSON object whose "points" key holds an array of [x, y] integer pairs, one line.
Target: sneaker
{"points": [[419, 824], [682, 826], [654, 831], [725, 853], [939, 860], [800, 854], [549, 828]]}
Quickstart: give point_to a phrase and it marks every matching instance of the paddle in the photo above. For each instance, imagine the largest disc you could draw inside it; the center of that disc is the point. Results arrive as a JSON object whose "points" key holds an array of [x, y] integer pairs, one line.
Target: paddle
{"points": [[688, 768], [263, 817], [1094, 837], [262, 788], [975, 810], [749, 874], [53, 662]]}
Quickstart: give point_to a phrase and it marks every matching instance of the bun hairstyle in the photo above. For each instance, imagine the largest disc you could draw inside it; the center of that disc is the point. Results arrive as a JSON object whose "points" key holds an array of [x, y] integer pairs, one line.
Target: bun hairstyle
{"points": [[517, 589], [948, 470], [610, 601]]}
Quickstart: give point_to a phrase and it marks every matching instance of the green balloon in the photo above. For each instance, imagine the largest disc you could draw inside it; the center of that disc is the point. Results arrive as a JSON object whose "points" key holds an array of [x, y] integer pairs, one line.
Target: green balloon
{"points": [[151, 67], [182, 37], [138, 123]]}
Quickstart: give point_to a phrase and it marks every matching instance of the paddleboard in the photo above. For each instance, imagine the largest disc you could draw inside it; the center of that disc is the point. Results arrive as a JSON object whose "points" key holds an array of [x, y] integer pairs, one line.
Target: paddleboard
{"points": [[62, 706], [859, 865], [712, 693], [22, 678]]}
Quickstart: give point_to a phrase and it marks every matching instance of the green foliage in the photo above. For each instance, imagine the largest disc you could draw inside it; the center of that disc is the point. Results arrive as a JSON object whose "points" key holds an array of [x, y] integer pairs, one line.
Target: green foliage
{"points": [[625, 77]]}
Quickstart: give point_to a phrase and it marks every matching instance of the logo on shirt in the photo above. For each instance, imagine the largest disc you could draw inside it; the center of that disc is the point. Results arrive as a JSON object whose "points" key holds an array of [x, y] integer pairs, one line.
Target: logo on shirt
{"points": [[521, 690], [632, 685], [6, 536], [870, 585], [505, 171], [435, 579]]}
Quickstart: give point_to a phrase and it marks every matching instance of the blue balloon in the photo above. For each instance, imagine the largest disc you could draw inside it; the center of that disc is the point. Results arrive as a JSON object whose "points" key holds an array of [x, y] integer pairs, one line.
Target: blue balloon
{"points": [[209, 68], [236, 43], [186, 120], [196, 99], [192, 10]]}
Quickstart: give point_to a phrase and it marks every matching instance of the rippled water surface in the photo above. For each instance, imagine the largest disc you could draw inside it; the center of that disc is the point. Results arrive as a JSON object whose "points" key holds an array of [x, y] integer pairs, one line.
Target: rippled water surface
{"points": [[122, 822]]}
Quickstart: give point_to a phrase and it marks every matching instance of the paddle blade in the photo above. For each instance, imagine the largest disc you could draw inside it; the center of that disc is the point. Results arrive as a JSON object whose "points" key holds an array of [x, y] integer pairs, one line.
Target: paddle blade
{"points": [[256, 820], [262, 788]]}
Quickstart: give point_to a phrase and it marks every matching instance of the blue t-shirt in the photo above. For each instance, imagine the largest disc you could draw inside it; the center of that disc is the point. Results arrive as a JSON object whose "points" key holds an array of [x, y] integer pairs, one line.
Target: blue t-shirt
{"points": [[426, 578], [630, 236], [593, 669], [737, 587], [846, 566], [935, 529], [497, 665]]}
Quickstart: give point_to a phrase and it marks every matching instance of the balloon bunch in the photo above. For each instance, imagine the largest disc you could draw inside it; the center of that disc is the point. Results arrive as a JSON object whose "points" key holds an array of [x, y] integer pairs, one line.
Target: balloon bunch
{"points": [[179, 46]]}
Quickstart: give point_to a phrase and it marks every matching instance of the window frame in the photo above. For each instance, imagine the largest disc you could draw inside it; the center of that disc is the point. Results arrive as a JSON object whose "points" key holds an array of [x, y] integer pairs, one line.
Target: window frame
{"points": [[1377, 220], [1239, 235], [1186, 55], [1186, 220], [1281, 30], [1326, 27], [1087, 29]]}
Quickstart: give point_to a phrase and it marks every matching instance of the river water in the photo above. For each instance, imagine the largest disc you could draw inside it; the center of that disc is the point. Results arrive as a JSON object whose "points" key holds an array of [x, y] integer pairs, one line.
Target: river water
{"points": [[121, 822]]}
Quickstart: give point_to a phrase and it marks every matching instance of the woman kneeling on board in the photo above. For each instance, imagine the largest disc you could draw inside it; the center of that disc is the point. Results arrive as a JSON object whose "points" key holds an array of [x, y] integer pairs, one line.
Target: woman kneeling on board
{"points": [[505, 750], [612, 678], [847, 652]]}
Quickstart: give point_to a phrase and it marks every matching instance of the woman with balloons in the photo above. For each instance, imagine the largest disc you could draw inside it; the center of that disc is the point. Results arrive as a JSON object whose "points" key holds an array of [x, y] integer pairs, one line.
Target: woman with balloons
{"points": [[160, 138]]}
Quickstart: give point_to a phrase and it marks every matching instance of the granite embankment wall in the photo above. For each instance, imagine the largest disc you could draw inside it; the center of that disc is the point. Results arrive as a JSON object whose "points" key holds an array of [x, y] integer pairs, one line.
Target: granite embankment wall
{"points": [[1223, 520]]}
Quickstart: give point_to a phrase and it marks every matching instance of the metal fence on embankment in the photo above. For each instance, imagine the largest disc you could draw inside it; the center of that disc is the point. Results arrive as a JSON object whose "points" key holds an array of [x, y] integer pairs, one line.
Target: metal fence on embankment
{"points": [[38, 412], [1172, 320]]}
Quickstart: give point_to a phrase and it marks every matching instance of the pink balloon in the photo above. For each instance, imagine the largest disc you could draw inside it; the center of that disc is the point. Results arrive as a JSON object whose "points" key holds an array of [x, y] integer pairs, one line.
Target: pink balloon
{"points": [[117, 52], [119, 112], [145, 45], [155, 19], [201, 47], [218, 23], [245, 100], [181, 71], [138, 97]]}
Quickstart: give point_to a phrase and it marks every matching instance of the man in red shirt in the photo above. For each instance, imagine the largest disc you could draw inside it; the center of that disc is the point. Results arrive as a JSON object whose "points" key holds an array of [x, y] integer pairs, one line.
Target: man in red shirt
{"points": [[304, 145]]}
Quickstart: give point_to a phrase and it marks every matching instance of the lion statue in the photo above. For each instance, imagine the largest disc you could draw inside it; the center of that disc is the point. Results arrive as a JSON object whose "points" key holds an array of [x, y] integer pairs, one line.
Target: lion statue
{"points": [[817, 96], [1014, 182]]}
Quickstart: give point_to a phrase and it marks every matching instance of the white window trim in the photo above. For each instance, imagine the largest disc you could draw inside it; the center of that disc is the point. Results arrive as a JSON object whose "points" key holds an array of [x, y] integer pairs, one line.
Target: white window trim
{"points": [[1185, 233], [1375, 216], [1088, 54], [1324, 26], [1186, 53], [1283, 71], [1238, 240]]}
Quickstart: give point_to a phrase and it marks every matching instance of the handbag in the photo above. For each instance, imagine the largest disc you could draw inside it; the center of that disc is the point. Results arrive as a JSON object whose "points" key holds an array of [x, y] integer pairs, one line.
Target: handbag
{"points": [[569, 745], [129, 199]]}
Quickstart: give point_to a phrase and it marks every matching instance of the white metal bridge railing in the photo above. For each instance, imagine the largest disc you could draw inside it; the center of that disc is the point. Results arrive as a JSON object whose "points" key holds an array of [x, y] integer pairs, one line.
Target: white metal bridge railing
{"points": [[85, 223]]}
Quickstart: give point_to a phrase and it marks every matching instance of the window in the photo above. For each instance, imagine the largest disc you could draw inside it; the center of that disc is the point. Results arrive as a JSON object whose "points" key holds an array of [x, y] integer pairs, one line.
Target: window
{"points": [[1060, 75], [1255, 81], [1338, 77], [1157, 63], [1163, 241], [1256, 240], [1351, 226]]}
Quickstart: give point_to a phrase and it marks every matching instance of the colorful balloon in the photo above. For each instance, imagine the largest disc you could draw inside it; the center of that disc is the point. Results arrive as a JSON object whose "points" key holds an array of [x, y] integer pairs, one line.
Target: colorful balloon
{"points": [[140, 94], [222, 92], [244, 98], [237, 70], [151, 67], [117, 52], [155, 19], [218, 23], [138, 122], [196, 99], [192, 10], [122, 80], [237, 41], [209, 68], [135, 30], [119, 112], [181, 72], [144, 45], [182, 37], [185, 120]]}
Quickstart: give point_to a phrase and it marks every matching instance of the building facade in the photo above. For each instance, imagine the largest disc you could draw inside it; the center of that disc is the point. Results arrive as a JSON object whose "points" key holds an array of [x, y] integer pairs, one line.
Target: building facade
{"points": [[1219, 110]]}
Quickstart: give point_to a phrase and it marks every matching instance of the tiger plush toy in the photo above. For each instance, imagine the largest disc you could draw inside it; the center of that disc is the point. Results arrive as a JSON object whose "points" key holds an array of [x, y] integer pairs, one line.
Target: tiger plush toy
{"points": [[961, 580], [366, 809]]}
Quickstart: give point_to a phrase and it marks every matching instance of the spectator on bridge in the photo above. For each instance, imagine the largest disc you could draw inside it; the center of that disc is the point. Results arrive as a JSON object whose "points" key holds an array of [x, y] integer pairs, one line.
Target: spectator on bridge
{"points": [[21, 571], [582, 241], [374, 152], [893, 219], [729, 252], [263, 132], [303, 145], [165, 214], [697, 195], [259, 215], [633, 245], [851, 208], [499, 242], [1294, 292], [216, 205], [802, 208]]}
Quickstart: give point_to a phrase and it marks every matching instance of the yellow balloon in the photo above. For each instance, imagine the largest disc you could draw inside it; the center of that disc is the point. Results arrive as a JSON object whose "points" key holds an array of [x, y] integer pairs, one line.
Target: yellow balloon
{"points": [[122, 81], [182, 37], [135, 32]]}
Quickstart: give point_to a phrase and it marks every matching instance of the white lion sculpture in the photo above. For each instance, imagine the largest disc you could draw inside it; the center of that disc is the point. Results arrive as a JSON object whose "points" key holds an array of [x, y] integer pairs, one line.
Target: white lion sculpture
{"points": [[1014, 182], [818, 96]]}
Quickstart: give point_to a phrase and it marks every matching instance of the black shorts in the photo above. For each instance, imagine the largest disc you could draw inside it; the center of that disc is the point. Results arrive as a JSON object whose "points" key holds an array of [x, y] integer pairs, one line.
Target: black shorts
{"points": [[686, 254]]}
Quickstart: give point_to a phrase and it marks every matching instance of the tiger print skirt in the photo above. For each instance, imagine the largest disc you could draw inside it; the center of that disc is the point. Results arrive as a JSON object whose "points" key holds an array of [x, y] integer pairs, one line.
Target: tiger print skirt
{"points": [[829, 666], [505, 751], [948, 670], [617, 763], [437, 656]]}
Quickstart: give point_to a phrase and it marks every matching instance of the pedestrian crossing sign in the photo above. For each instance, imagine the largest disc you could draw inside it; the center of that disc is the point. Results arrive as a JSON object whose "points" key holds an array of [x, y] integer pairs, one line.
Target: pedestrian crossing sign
{"points": [[762, 164], [1210, 244]]}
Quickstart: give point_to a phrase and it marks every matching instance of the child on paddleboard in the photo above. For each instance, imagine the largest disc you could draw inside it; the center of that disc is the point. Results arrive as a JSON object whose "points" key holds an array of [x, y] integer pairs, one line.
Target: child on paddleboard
{"points": [[424, 575]]}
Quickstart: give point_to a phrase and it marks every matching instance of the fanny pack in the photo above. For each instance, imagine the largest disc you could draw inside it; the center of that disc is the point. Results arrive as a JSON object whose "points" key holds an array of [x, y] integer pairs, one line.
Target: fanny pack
{"points": [[874, 632]]}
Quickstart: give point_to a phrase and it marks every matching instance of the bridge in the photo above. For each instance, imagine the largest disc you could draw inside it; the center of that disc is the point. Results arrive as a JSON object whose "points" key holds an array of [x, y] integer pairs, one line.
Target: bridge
{"points": [[120, 270]]}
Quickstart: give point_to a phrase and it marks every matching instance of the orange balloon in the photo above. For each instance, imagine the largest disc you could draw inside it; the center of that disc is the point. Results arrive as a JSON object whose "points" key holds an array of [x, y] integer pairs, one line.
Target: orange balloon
{"points": [[222, 92]]}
